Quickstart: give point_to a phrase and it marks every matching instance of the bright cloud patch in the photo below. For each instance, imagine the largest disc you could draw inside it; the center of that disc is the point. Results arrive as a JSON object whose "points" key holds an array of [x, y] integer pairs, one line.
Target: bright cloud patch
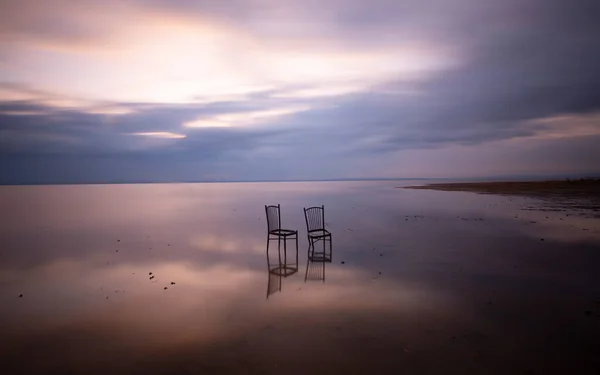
{"points": [[244, 118], [166, 135]]}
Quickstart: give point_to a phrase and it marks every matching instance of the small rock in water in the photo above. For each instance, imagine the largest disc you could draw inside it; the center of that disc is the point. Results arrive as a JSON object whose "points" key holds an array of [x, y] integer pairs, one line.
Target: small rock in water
{"points": [[165, 288], [541, 239], [380, 255], [172, 283], [149, 273], [343, 262], [379, 272], [118, 240], [117, 251], [20, 296]]}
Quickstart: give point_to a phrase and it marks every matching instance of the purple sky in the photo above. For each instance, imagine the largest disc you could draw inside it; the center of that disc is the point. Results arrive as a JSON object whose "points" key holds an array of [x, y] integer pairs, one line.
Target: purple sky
{"points": [[127, 90]]}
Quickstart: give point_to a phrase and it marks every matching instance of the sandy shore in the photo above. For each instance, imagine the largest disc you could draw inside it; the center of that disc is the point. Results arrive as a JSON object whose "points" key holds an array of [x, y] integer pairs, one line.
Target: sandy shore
{"points": [[584, 192]]}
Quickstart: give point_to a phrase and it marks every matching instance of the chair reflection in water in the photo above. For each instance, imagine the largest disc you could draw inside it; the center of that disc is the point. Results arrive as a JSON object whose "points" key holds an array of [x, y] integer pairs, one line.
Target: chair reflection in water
{"points": [[279, 268], [277, 272], [315, 271], [315, 226]]}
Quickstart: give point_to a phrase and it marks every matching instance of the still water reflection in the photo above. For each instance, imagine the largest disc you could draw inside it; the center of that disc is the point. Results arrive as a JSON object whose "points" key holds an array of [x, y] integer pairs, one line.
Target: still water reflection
{"points": [[170, 278]]}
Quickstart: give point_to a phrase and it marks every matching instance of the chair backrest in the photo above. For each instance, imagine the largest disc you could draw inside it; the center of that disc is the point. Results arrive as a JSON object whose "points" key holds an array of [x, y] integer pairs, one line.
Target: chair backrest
{"points": [[273, 218], [315, 218]]}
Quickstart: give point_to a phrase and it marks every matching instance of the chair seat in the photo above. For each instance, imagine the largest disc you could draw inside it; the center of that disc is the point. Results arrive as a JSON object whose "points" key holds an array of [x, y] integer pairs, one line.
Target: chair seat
{"points": [[319, 233], [283, 232]]}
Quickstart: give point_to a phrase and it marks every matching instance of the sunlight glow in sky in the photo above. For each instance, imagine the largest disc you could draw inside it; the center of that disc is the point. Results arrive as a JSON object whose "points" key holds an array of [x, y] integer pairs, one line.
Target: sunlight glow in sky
{"points": [[365, 85]]}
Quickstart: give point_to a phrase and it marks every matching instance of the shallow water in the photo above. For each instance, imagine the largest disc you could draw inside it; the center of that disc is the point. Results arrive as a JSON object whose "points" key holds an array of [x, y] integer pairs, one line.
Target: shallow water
{"points": [[431, 282]]}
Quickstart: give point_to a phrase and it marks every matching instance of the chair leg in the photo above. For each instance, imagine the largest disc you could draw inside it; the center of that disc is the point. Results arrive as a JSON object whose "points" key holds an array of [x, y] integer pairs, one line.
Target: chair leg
{"points": [[285, 251], [330, 249], [279, 249], [306, 273], [297, 266]]}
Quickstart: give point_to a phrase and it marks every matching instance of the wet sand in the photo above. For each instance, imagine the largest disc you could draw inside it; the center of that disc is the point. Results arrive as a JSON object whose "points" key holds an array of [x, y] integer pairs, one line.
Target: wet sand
{"points": [[579, 192], [422, 281]]}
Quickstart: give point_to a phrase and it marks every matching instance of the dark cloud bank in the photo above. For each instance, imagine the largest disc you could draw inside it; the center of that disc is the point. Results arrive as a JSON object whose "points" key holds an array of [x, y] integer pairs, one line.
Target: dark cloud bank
{"points": [[522, 61]]}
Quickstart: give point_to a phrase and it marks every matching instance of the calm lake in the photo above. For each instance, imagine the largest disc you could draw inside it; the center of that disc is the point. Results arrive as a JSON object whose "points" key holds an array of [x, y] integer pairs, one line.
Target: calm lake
{"points": [[174, 279]]}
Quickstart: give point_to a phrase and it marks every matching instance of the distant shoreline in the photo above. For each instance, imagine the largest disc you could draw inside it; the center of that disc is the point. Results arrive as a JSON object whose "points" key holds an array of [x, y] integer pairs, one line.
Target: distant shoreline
{"points": [[585, 189], [451, 180]]}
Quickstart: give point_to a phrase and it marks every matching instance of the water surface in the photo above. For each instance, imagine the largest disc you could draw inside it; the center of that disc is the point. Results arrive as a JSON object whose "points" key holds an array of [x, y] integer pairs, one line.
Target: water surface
{"points": [[421, 281]]}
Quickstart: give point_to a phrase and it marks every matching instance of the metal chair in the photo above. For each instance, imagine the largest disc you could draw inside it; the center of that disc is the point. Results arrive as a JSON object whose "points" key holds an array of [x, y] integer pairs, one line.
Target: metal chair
{"points": [[275, 232], [315, 225]]}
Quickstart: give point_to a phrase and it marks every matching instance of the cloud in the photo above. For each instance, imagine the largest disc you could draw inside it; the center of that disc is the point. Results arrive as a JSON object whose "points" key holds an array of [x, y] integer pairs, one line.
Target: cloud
{"points": [[240, 87]]}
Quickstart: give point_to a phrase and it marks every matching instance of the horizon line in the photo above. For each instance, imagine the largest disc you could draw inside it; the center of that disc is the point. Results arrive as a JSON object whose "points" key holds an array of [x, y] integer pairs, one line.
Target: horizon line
{"points": [[480, 178]]}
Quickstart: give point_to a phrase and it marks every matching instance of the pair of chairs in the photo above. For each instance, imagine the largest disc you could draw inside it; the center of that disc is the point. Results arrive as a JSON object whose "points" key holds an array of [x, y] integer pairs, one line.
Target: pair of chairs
{"points": [[315, 226]]}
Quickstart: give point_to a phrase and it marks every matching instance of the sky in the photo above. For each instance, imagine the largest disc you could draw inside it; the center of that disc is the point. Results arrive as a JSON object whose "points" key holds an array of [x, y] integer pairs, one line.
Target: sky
{"points": [[206, 90]]}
